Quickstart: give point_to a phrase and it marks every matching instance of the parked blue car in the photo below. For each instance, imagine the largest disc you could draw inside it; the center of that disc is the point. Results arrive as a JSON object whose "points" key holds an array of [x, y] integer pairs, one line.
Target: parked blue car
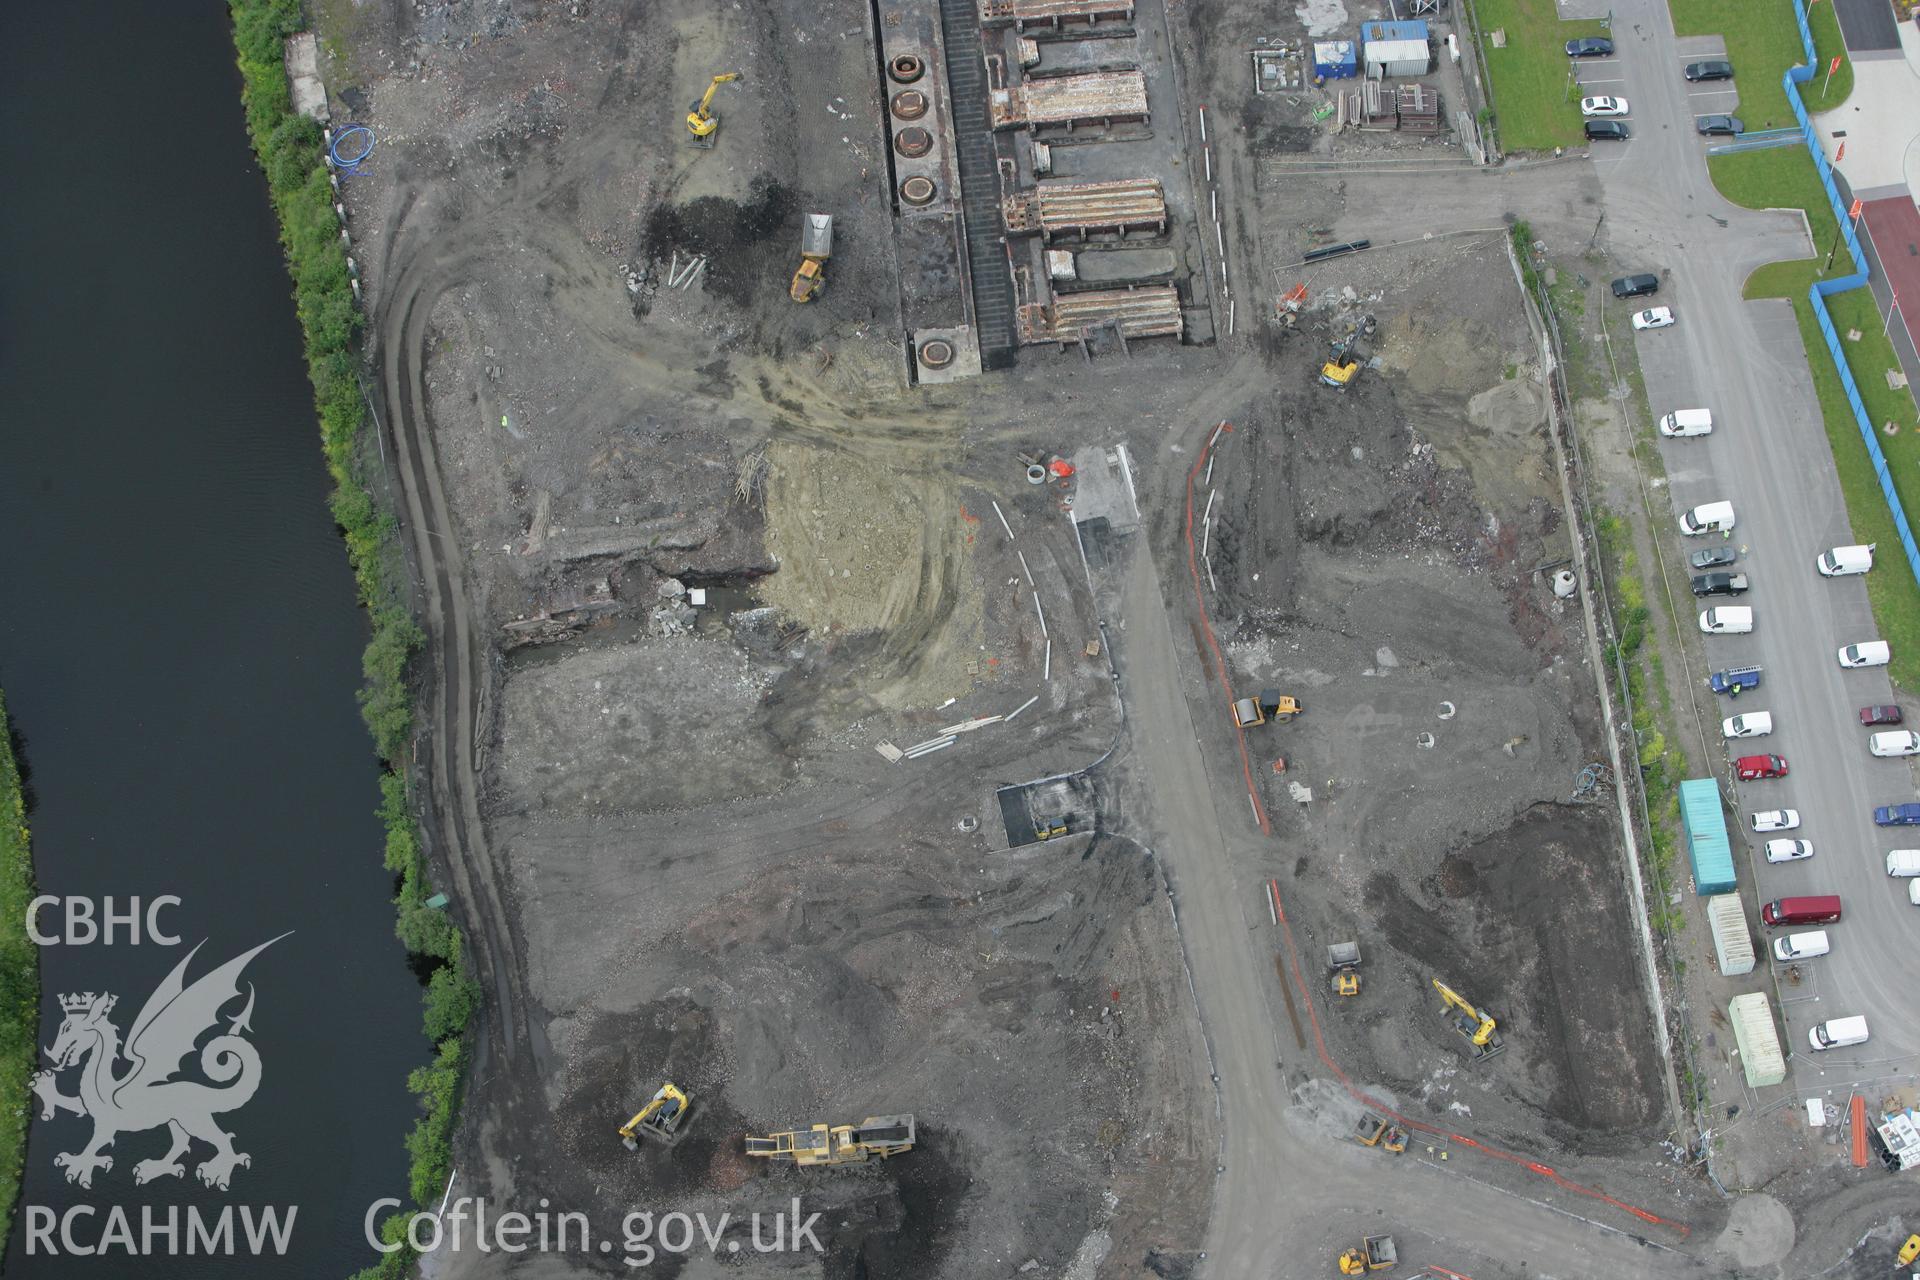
{"points": [[1897, 815], [1734, 679]]}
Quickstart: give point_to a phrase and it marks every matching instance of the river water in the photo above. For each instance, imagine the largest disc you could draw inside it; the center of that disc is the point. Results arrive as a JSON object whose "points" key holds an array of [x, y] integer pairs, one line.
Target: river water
{"points": [[179, 642]]}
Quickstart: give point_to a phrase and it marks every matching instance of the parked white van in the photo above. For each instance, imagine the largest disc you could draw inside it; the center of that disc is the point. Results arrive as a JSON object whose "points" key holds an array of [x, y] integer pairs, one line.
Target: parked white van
{"points": [[1686, 422], [1801, 946], [1913, 892], [1841, 561], [1727, 620], [1894, 742], [1751, 725], [1868, 653], [1708, 517], [1903, 862], [1838, 1032]]}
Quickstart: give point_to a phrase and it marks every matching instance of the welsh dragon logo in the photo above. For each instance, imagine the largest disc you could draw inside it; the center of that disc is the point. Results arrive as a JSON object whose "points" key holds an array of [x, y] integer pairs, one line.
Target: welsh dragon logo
{"points": [[147, 1094]]}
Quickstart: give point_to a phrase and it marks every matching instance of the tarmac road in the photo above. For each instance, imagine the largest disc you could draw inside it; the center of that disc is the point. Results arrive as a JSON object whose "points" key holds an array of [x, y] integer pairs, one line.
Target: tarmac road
{"points": [[1201, 827], [1769, 456]]}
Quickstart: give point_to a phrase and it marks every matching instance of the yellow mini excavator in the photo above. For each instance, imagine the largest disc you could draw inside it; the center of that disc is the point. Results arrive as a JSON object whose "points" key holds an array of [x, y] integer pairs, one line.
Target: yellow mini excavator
{"points": [[1475, 1026], [659, 1119], [702, 121], [880, 1136]]}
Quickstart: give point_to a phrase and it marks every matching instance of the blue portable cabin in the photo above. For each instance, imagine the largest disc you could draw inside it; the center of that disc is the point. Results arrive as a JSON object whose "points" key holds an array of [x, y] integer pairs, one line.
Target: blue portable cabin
{"points": [[1707, 845], [1336, 60]]}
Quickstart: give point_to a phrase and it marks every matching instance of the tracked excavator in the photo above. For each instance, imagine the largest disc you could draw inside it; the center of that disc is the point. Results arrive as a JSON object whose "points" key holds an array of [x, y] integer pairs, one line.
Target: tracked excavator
{"points": [[876, 1136], [659, 1119], [702, 121], [1475, 1026]]}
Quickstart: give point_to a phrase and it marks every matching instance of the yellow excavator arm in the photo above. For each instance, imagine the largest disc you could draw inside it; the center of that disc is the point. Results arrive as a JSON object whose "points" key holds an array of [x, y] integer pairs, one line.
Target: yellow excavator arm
{"points": [[1454, 1000], [700, 120]]}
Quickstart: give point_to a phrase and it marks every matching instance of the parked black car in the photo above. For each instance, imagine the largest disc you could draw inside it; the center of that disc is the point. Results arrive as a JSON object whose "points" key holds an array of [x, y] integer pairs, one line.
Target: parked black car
{"points": [[1713, 557], [1636, 286], [1720, 584], [1607, 131], [1711, 125], [1590, 47], [1715, 70]]}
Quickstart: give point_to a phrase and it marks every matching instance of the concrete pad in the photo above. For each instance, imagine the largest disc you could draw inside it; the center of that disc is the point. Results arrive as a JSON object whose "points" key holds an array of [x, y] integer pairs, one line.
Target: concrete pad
{"points": [[1880, 124]]}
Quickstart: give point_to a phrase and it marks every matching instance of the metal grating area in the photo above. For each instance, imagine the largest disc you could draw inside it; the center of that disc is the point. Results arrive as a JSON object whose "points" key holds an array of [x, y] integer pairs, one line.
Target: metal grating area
{"points": [[1085, 208]]}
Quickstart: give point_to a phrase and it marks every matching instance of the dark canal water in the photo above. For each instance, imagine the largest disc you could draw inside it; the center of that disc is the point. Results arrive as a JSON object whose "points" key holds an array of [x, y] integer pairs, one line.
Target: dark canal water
{"points": [[179, 642]]}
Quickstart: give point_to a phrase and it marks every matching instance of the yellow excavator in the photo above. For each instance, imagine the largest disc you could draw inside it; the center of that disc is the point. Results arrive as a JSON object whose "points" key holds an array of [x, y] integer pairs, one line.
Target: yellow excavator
{"points": [[702, 122], [659, 1119], [1475, 1026], [876, 1136]]}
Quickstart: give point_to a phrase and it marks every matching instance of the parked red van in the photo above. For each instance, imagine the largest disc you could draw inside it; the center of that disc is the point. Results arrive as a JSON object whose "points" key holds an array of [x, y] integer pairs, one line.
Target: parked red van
{"points": [[1823, 909]]}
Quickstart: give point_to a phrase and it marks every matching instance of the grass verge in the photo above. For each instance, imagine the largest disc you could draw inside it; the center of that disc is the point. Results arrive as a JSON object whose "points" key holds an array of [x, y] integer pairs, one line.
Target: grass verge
{"points": [[19, 976], [289, 148], [1763, 40], [1533, 106]]}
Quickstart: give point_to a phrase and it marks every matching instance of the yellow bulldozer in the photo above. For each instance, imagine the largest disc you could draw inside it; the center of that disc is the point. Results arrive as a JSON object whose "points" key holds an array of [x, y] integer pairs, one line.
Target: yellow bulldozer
{"points": [[660, 1119], [875, 1137]]}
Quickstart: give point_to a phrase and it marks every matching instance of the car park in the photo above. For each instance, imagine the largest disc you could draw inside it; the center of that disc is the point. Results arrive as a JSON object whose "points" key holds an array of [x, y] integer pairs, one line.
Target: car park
{"points": [[1894, 742], [1751, 768], [1636, 286], [1712, 69], [1776, 819], [1839, 562], [1734, 679], [1752, 724], [1789, 850], [1727, 620], [1686, 422], [1713, 558], [1868, 653], [1724, 126], [1719, 584], [1801, 946], [1897, 815], [1603, 106], [1590, 47], [1652, 317], [1607, 131], [1885, 713]]}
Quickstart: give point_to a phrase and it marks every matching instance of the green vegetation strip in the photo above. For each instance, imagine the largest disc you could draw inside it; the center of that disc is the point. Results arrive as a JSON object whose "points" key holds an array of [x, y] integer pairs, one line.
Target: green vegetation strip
{"points": [[19, 976], [1763, 40], [289, 147], [1534, 107]]}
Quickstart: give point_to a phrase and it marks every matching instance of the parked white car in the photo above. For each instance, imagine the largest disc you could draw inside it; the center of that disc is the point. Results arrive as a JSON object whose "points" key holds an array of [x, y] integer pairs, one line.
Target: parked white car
{"points": [[1801, 946], [1868, 653], [1789, 850], [1777, 820], [1751, 724], [1728, 620], [1603, 107], [1894, 742], [1653, 318]]}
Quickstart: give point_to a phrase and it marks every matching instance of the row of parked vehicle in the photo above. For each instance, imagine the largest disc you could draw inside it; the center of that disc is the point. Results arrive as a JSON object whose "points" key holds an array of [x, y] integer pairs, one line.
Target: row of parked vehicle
{"points": [[1886, 740], [1603, 113]]}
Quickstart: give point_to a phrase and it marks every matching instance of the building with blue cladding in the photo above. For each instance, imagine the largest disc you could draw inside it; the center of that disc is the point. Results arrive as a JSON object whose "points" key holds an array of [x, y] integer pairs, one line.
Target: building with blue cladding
{"points": [[1409, 30], [1708, 849]]}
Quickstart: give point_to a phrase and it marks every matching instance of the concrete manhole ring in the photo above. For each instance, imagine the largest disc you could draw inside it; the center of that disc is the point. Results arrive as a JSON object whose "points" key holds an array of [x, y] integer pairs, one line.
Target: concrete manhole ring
{"points": [[913, 141], [968, 823], [906, 68], [909, 104], [917, 190], [1036, 474], [1424, 741], [1446, 711], [936, 353]]}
